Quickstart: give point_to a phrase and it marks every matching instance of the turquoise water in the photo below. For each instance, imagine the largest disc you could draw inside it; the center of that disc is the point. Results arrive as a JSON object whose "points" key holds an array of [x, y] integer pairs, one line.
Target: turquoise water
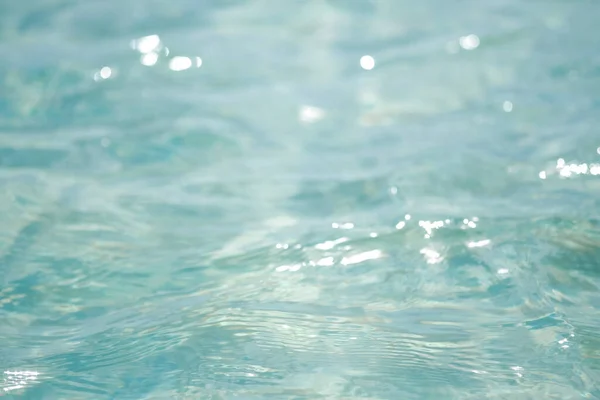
{"points": [[317, 199]]}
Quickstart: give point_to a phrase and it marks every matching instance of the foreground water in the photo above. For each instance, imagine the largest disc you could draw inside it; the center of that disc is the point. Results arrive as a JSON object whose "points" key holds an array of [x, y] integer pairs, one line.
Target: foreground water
{"points": [[227, 199]]}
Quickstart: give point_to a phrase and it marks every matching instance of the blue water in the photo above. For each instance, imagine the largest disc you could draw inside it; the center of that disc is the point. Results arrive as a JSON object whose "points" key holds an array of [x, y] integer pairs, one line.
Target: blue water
{"points": [[316, 199]]}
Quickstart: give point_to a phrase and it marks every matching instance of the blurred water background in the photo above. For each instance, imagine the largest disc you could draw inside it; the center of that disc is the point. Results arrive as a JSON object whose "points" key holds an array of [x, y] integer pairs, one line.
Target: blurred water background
{"points": [[316, 199]]}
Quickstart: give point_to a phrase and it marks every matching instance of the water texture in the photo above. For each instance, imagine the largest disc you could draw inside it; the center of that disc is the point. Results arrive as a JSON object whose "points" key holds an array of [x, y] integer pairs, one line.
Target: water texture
{"points": [[317, 199]]}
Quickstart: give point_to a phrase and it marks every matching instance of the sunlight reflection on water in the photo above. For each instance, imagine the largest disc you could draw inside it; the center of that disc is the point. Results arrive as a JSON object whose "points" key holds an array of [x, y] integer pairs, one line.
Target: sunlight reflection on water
{"points": [[319, 199]]}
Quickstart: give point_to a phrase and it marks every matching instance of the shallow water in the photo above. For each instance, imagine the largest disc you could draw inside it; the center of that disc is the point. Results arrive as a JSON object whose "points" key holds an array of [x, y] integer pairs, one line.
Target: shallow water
{"points": [[254, 215]]}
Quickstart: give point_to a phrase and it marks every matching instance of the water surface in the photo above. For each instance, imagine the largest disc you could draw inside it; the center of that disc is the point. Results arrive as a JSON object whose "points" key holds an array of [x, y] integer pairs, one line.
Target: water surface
{"points": [[216, 200]]}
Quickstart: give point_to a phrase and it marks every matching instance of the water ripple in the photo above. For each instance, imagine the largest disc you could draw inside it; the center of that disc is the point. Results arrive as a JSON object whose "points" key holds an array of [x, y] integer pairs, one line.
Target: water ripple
{"points": [[320, 200]]}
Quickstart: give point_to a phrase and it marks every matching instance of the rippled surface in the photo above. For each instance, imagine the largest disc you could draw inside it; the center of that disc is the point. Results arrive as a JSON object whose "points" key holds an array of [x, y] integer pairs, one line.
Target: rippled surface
{"points": [[317, 199]]}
